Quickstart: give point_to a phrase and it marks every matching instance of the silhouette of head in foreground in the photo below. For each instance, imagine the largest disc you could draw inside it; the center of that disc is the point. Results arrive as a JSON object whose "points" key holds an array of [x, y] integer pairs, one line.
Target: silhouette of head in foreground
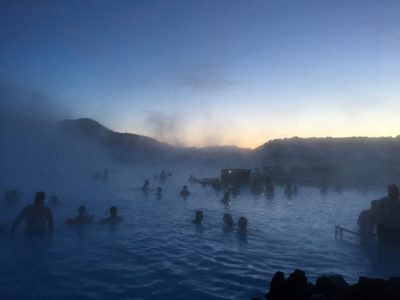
{"points": [[146, 184], [366, 219], [228, 220], [113, 219], [242, 224], [39, 218], [393, 191], [82, 218], [388, 216], [198, 217]]}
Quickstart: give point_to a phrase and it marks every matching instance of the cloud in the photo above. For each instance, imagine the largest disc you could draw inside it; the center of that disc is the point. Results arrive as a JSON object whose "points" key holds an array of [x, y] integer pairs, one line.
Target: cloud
{"points": [[206, 77]]}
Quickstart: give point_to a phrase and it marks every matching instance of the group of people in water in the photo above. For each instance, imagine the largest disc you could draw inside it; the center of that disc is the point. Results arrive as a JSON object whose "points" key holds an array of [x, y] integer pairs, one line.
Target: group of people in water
{"points": [[227, 219], [146, 188], [384, 215], [184, 193], [39, 218]]}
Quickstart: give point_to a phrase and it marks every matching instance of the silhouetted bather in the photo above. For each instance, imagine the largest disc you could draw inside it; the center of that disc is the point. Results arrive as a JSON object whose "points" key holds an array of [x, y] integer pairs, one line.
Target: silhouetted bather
{"points": [[288, 190], [367, 220], [185, 192], [242, 224], [163, 176], [235, 190], [198, 217], [145, 186], [159, 192], [228, 220], [388, 216], [256, 187], [226, 198], [37, 216], [82, 218], [216, 184], [113, 219]]}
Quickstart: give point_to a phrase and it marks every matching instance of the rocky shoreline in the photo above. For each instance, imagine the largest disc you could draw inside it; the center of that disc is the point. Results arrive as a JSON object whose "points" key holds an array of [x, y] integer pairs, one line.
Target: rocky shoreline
{"points": [[330, 287]]}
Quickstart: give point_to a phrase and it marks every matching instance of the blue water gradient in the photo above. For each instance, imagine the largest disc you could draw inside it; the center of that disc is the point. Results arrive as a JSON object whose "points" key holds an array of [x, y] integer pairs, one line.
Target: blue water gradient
{"points": [[158, 253]]}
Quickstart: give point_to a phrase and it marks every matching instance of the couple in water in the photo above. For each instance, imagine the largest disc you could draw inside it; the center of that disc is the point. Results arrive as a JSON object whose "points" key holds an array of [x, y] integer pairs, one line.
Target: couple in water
{"points": [[242, 222], [227, 219], [84, 218], [385, 215]]}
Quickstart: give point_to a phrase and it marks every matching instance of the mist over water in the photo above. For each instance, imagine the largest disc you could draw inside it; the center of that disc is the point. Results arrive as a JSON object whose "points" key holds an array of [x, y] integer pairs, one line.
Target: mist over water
{"points": [[157, 251], [281, 116]]}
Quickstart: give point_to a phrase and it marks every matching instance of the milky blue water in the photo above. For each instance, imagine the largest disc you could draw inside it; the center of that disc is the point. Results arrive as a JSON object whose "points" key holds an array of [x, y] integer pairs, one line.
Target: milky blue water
{"points": [[158, 253]]}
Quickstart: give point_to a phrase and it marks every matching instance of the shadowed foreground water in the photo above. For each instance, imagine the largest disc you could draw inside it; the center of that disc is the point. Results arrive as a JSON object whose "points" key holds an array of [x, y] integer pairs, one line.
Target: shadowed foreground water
{"points": [[157, 252]]}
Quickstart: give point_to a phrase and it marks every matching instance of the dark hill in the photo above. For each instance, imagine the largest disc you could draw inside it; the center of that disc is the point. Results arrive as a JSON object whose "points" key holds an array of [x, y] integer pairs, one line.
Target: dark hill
{"points": [[353, 159], [130, 147]]}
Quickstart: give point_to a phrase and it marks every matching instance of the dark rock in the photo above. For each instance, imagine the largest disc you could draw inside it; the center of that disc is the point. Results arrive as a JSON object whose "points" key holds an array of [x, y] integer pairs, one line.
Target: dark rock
{"points": [[367, 289], [329, 285], [393, 288], [278, 288]]}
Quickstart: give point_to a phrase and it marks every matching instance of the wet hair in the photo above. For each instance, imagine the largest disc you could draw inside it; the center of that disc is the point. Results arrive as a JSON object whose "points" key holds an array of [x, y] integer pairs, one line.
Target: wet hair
{"points": [[39, 197]]}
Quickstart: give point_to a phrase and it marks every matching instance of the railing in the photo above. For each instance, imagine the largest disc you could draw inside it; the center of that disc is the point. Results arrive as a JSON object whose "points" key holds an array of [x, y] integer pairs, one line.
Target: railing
{"points": [[339, 232]]}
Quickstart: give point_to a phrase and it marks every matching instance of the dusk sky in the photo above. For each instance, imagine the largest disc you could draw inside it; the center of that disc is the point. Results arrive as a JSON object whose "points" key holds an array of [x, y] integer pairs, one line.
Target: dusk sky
{"points": [[201, 73]]}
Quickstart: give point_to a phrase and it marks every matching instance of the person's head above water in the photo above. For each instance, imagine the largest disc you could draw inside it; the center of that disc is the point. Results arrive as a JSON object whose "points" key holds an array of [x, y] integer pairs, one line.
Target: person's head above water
{"points": [[198, 217], [39, 198], [185, 187], [82, 210], [113, 211], [228, 220], [242, 223], [393, 191]]}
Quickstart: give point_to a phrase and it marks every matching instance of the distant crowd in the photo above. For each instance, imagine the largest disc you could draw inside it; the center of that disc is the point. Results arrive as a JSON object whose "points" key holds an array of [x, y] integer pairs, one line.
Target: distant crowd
{"points": [[381, 219], [39, 218]]}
